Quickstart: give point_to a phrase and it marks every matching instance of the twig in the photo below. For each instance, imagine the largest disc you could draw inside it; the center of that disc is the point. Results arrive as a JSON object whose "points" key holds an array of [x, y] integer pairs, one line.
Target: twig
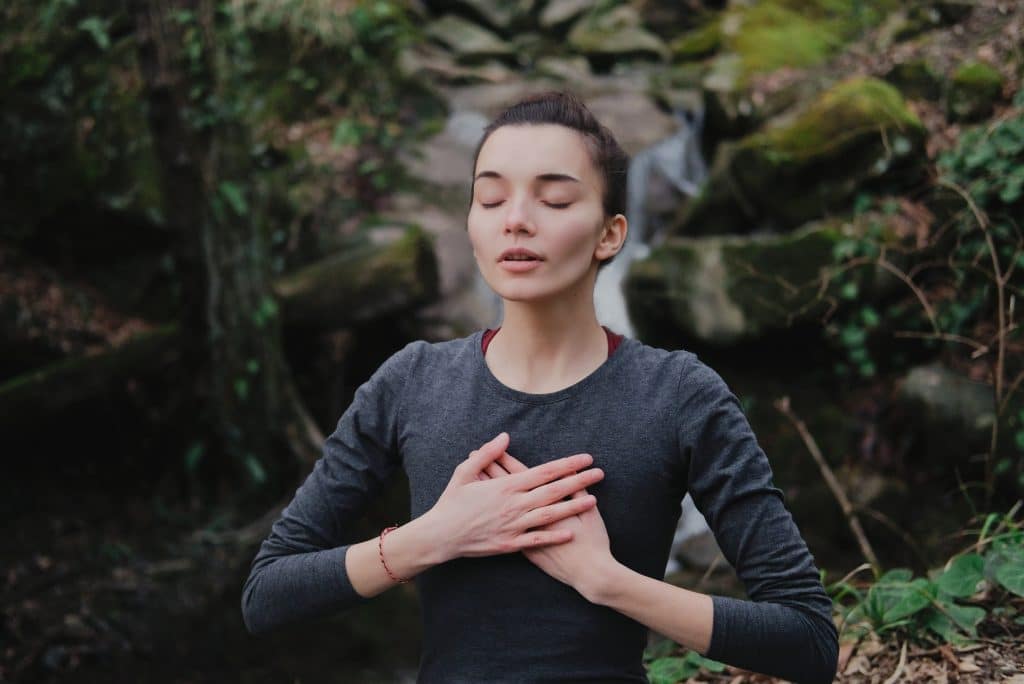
{"points": [[830, 479], [902, 534], [979, 348], [711, 568], [895, 676]]}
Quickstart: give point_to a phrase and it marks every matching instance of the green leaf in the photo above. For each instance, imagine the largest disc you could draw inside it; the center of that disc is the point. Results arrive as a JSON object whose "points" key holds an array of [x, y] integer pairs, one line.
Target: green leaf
{"points": [[347, 132], [966, 617], [896, 575], [849, 291], [241, 388], [1008, 569], [97, 28], [235, 197], [852, 336], [193, 456], [661, 649], [844, 249], [963, 575], [671, 670], [708, 664], [939, 623], [908, 599], [255, 468]]}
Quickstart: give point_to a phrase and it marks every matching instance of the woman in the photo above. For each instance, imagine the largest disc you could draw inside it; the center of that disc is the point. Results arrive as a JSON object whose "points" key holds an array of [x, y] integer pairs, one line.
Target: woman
{"points": [[540, 556]]}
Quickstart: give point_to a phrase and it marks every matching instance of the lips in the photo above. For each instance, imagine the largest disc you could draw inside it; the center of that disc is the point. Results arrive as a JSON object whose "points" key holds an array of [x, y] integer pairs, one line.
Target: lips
{"points": [[519, 254]]}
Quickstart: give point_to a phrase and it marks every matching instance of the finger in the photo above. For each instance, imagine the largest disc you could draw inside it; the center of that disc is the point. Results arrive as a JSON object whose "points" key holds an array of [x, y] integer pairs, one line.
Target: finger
{"points": [[495, 470], [480, 458], [511, 464], [559, 489], [536, 538], [539, 517], [483, 476], [546, 472]]}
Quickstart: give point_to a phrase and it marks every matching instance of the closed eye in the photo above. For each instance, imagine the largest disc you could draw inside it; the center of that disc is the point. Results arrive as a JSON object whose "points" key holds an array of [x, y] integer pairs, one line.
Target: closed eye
{"points": [[553, 205]]}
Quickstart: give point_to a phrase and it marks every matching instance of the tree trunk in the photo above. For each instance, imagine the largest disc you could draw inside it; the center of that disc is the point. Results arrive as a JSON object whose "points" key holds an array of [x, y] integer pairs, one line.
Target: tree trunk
{"points": [[230, 327]]}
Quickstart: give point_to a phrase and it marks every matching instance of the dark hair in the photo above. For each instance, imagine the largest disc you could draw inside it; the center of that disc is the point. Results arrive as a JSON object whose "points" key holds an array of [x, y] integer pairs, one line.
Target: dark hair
{"points": [[566, 109]]}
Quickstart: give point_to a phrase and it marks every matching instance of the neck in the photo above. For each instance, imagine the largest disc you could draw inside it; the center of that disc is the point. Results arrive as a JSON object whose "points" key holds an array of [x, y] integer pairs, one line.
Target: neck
{"points": [[544, 346]]}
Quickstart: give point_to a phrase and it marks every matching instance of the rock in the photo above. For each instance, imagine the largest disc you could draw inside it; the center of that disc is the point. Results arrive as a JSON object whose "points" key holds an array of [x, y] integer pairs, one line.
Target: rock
{"points": [[569, 69], [810, 164], [429, 64], [973, 91], [720, 291], [634, 118], [502, 15], [946, 415], [698, 43], [469, 42], [608, 36], [669, 18], [559, 13], [915, 79], [732, 110]]}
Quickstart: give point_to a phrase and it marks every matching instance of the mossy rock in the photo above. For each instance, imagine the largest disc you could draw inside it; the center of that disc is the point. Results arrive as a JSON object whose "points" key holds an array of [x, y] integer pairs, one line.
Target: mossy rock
{"points": [[726, 290], [504, 16], [469, 42], [771, 34], [608, 35], [858, 131], [916, 80], [973, 91], [697, 44], [558, 14], [732, 110]]}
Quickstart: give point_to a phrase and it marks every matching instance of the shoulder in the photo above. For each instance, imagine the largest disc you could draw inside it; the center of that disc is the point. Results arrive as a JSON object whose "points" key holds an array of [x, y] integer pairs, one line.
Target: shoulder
{"points": [[423, 358], [680, 367]]}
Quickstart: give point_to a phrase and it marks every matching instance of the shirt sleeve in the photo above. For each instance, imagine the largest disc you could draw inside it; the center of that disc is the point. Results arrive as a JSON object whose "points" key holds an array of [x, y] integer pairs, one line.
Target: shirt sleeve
{"points": [[786, 628], [299, 570]]}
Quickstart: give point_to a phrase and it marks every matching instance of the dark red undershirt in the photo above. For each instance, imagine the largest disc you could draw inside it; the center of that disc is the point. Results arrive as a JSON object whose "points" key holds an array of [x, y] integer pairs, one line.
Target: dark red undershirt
{"points": [[613, 339]]}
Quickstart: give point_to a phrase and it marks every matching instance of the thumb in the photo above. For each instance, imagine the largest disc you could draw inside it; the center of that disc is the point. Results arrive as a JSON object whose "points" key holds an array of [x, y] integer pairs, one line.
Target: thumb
{"points": [[480, 458]]}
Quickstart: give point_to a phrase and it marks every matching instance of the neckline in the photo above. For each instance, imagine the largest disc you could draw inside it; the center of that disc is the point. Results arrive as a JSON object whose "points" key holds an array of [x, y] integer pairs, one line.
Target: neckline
{"points": [[610, 363]]}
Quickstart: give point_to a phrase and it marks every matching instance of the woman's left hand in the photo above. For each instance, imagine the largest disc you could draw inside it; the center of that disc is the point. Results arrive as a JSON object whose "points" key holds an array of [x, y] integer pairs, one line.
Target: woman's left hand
{"points": [[581, 562]]}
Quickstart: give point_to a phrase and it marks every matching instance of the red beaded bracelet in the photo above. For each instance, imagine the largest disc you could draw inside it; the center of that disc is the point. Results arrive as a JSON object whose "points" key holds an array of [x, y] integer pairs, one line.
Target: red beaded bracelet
{"points": [[380, 550]]}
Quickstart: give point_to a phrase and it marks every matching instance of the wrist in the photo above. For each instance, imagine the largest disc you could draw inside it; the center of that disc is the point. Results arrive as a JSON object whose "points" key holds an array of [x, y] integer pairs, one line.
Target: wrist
{"points": [[601, 583], [435, 545]]}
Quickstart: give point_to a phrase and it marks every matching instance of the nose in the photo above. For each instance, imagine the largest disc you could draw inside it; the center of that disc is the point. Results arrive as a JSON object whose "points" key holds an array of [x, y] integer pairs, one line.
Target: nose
{"points": [[518, 218]]}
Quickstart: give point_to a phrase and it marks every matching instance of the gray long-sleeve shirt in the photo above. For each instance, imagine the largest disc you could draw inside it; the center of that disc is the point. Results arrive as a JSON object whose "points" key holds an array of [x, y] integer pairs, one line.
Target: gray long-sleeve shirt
{"points": [[658, 423]]}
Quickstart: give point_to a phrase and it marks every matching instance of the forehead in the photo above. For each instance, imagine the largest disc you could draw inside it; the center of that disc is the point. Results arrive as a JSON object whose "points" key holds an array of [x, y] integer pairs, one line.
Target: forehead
{"points": [[528, 150]]}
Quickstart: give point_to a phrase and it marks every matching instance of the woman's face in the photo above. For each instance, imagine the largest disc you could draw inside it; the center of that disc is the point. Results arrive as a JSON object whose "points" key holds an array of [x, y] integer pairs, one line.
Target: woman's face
{"points": [[536, 190]]}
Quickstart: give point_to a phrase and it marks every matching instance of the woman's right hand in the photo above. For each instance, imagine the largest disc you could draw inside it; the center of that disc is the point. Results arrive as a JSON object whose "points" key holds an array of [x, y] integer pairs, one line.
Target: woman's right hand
{"points": [[484, 517]]}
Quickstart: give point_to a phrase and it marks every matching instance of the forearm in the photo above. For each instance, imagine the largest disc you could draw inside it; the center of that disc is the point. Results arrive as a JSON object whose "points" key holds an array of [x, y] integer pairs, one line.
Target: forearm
{"points": [[408, 551], [770, 638], [682, 615]]}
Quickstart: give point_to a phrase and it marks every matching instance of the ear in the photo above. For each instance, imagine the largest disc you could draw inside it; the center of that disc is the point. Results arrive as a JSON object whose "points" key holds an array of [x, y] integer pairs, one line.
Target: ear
{"points": [[613, 236]]}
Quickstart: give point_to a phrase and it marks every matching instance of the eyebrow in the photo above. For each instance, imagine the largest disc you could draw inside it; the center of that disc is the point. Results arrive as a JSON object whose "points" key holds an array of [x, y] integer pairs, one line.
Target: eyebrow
{"points": [[545, 177]]}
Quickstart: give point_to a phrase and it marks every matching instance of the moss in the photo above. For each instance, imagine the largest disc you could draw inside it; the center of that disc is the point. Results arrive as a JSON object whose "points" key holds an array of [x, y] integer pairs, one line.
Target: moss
{"points": [[859, 131], [915, 79], [697, 44], [974, 87], [723, 290], [771, 34], [978, 75], [848, 110]]}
